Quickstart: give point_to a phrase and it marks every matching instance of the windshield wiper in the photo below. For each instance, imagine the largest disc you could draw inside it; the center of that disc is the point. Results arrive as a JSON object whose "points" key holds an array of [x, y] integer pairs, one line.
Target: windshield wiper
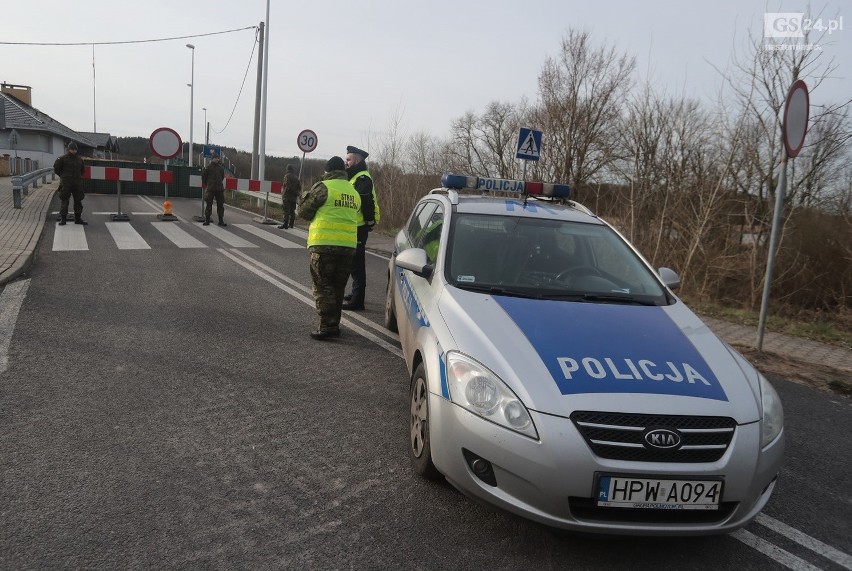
{"points": [[617, 298], [599, 297], [494, 290]]}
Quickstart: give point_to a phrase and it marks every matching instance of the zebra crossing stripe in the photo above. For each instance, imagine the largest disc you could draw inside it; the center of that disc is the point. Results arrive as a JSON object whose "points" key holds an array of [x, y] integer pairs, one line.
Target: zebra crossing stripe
{"points": [[69, 237], [126, 238], [229, 238], [179, 237], [268, 236]]}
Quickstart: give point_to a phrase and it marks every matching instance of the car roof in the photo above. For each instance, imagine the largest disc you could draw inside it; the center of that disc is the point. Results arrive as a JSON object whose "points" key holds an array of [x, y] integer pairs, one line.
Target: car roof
{"points": [[499, 205]]}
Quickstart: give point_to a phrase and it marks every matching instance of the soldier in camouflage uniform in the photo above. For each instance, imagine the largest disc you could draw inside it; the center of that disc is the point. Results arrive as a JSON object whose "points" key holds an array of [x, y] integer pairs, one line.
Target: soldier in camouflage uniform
{"points": [[212, 180], [332, 206], [289, 197], [70, 168]]}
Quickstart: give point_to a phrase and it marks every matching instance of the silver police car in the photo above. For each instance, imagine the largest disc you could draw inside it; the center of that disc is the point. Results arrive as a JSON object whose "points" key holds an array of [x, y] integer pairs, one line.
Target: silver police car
{"points": [[554, 374]]}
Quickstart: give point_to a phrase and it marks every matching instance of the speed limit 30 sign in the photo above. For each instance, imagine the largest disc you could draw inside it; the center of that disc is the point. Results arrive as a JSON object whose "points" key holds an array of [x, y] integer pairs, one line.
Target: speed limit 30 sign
{"points": [[307, 141]]}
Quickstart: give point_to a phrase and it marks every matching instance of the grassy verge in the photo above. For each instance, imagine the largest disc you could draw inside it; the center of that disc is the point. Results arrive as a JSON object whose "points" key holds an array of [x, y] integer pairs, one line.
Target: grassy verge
{"points": [[833, 330]]}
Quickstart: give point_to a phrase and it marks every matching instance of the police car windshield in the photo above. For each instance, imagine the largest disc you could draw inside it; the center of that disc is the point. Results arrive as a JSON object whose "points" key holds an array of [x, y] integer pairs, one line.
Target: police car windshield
{"points": [[548, 258]]}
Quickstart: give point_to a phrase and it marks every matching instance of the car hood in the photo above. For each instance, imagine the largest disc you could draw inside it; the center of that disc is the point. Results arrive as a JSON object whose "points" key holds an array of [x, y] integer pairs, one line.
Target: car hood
{"points": [[562, 356]]}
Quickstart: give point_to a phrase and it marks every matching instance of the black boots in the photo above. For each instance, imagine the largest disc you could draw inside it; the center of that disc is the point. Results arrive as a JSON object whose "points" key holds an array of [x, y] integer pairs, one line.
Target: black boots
{"points": [[323, 334], [282, 226], [222, 222], [77, 220], [206, 222]]}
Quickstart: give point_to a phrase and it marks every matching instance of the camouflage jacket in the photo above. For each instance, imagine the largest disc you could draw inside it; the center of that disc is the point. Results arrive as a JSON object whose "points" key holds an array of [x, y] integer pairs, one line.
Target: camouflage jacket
{"points": [[292, 187], [69, 167]]}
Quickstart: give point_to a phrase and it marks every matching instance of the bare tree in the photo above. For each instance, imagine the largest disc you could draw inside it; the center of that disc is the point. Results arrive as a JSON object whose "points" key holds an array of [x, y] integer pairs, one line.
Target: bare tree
{"points": [[485, 144], [581, 92]]}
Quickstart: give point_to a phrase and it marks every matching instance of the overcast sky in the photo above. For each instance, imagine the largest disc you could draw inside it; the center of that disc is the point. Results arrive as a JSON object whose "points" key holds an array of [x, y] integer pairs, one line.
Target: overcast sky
{"points": [[347, 69]]}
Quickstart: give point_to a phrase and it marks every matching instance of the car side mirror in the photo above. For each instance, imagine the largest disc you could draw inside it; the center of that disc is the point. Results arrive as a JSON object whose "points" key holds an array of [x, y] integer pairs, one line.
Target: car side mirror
{"points": [[414, 260], [670, 278]]}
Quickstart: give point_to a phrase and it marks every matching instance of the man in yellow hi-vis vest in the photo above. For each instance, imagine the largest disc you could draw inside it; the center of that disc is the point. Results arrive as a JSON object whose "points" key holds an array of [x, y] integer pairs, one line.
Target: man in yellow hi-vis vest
{"points": [[332, 206], [368, 216]]}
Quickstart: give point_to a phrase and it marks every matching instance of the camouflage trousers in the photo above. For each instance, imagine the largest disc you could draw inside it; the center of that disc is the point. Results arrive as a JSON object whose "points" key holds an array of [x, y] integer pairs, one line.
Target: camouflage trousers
{"points": [[67, 189], [219, 197], [330, 269], [289, 208]]}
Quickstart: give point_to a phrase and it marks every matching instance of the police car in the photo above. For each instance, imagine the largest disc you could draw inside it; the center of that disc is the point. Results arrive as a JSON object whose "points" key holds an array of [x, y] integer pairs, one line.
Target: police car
{"points": [[555, 374]]}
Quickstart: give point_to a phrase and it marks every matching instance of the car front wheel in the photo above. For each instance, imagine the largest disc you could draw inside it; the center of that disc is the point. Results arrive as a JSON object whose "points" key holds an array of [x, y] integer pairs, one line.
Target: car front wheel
{"points": [[420, 448]]}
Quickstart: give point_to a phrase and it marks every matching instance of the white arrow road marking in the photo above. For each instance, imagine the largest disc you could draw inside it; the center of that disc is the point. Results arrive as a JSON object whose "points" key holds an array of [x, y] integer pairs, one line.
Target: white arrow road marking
{"points": [[10, 304]]}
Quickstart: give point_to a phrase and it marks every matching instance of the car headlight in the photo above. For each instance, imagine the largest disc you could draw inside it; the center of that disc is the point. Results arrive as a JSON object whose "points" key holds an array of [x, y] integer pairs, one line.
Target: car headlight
{"points": [[480, 391], [772, 420]]}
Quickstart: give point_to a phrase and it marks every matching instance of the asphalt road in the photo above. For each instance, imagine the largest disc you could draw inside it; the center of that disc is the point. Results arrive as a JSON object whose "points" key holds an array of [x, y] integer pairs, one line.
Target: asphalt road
{"points": [[165, 408]]}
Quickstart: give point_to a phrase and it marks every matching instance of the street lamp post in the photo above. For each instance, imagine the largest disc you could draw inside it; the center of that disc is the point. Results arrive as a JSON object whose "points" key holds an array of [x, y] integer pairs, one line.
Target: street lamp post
{"points": [[206, 127], [191, 97]]}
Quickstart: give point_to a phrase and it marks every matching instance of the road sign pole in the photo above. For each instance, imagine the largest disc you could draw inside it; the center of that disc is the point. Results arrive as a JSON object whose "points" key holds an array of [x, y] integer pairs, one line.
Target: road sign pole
{"points": [[119, 216], [266, 219], [793, 130]]}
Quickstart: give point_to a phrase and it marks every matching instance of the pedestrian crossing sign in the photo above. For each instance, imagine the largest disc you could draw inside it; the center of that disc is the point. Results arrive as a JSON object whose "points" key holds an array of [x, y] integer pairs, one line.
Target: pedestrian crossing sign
{"points": [[529, 145]]}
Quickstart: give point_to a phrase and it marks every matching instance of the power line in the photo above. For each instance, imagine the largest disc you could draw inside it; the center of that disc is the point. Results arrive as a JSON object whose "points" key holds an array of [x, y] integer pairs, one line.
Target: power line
{"points": [[251, 57], [126, 41]]}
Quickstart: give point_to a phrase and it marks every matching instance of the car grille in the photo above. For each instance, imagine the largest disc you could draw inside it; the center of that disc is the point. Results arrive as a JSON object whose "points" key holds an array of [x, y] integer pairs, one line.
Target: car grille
{"points": [[620, 436]]}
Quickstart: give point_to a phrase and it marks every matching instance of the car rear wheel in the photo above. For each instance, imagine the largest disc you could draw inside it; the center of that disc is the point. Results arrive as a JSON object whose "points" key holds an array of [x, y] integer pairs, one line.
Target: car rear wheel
{"points": [[390, 315], [420, 445]]}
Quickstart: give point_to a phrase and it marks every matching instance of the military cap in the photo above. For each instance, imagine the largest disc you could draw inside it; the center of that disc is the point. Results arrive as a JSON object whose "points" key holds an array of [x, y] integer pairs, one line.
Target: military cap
{"points": [[357, 151], [335, 164]]}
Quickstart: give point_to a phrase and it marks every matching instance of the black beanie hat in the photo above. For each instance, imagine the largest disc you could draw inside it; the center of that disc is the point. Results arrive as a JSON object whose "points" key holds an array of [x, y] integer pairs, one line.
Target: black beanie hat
{"points": [[335, 164]]}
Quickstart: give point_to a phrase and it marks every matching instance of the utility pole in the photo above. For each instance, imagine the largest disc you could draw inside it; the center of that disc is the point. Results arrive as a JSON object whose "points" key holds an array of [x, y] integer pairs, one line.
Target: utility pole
{"points": [[262, 160], [254, 148]]}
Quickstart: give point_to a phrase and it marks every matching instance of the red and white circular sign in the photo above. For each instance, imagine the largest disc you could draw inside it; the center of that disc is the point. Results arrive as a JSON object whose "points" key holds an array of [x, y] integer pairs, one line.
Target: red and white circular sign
{"points": [[165, 143], [307, 141], [795, 123]]}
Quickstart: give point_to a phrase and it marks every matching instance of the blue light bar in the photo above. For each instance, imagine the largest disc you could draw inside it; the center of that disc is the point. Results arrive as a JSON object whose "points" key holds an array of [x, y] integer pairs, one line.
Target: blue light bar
{"points": [[487, 184]]}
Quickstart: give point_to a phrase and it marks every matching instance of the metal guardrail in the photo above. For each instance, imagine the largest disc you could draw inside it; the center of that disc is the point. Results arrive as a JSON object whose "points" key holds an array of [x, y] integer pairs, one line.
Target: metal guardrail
{"points": [[21, 183]]}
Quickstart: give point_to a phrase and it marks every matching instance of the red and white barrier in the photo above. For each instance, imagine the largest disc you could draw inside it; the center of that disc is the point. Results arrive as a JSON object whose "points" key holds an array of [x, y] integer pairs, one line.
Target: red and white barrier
{"points": [[244, 184], [128, 175]]}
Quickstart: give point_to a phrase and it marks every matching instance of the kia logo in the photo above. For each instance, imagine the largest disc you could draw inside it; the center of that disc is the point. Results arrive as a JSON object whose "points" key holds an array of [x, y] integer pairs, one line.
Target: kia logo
{"points": [[662, 438]]}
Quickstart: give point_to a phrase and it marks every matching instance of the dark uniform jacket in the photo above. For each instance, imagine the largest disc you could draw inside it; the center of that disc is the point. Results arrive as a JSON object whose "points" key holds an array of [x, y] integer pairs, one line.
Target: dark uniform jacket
{"points": [[364, 186], [213, 177], [70, 168]]}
